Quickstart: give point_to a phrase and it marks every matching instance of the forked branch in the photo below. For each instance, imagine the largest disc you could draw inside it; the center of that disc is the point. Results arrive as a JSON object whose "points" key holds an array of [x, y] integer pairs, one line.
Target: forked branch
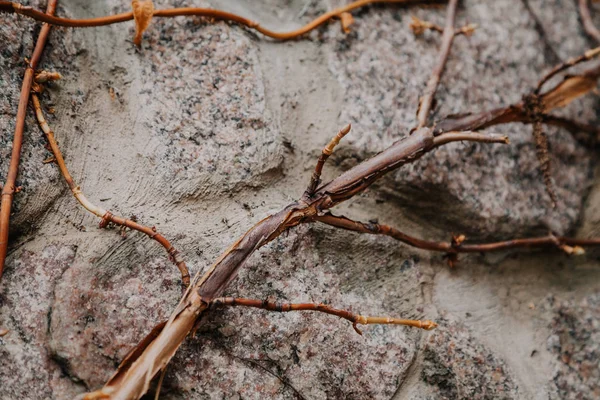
{"points": [[457, 244]]}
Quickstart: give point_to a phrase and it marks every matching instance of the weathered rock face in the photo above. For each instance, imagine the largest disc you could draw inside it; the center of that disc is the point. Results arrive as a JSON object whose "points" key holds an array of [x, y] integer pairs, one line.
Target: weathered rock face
{"points": [[458, 367], [574, 341], [209, 128]]}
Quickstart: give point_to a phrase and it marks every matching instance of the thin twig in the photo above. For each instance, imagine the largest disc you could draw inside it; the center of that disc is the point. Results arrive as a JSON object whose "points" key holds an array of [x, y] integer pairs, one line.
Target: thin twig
{"points": [[203, 12], [315, 179], [588, 55], [105, 215], [586, 19], [320, 307], [426, 101], [457, 245], [9, 187]]}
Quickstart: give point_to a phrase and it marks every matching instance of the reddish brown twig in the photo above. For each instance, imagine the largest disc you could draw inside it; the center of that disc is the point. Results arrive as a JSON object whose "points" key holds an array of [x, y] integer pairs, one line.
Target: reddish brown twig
{"points": [[426, 101], [586, 19], [315, 179], [320, 307], [3, 332], [105, 215], [204, 12], [9, 186], [457, 245]]}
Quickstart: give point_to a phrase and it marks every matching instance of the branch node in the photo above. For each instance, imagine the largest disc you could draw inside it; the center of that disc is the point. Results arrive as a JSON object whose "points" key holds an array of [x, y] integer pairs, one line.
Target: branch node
{"points": [[142, 14], [346, 20], [46, 76], [106, 218]]}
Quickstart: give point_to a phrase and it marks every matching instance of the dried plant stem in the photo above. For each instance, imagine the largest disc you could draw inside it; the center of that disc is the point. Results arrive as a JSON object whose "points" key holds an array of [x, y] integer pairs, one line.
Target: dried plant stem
{"points": [[568, 245], [105, 215], [326, 152], [133, 377], [426, 101], [320, 307], [204, 12], [9, 186], [559, 96], [586, 19], [588, 55]]}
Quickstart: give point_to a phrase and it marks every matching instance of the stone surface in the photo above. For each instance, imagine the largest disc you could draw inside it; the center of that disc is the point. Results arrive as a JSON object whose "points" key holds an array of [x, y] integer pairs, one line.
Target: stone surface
{"points": [[458, 367], [575, 343], [208, 128]]}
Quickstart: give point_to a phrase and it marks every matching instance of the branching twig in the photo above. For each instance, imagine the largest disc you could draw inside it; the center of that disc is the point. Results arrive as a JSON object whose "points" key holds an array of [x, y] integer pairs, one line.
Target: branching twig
{"points": [[9, 186], [315, 179], [457, 245], [559, 96], [588, 55], [105, 215], [426, 101], [203, 12], [320, 307], [586, 19]]}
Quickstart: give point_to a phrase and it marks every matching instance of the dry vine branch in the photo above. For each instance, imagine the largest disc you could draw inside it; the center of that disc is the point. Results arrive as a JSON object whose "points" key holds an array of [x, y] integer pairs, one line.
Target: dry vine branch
{"points": [[426, 101], [133, 377], [9, 186], [105, 216], [340, 12], [586, 19], [320, 307], [457, 245], [571, 88]]}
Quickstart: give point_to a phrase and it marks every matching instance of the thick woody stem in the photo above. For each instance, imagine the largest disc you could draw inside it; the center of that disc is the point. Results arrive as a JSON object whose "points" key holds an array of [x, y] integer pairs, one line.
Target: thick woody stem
{"points": [[426, 101], [6, 6], [315, 179], [586, 19], [105, 215], [457, 245], [320, 307], [13, 169]]}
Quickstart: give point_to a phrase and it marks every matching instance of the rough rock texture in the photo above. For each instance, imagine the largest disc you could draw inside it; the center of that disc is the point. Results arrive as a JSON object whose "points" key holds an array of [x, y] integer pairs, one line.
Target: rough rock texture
{"points": [[458, 367], [209, 128], [575, 342]]}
